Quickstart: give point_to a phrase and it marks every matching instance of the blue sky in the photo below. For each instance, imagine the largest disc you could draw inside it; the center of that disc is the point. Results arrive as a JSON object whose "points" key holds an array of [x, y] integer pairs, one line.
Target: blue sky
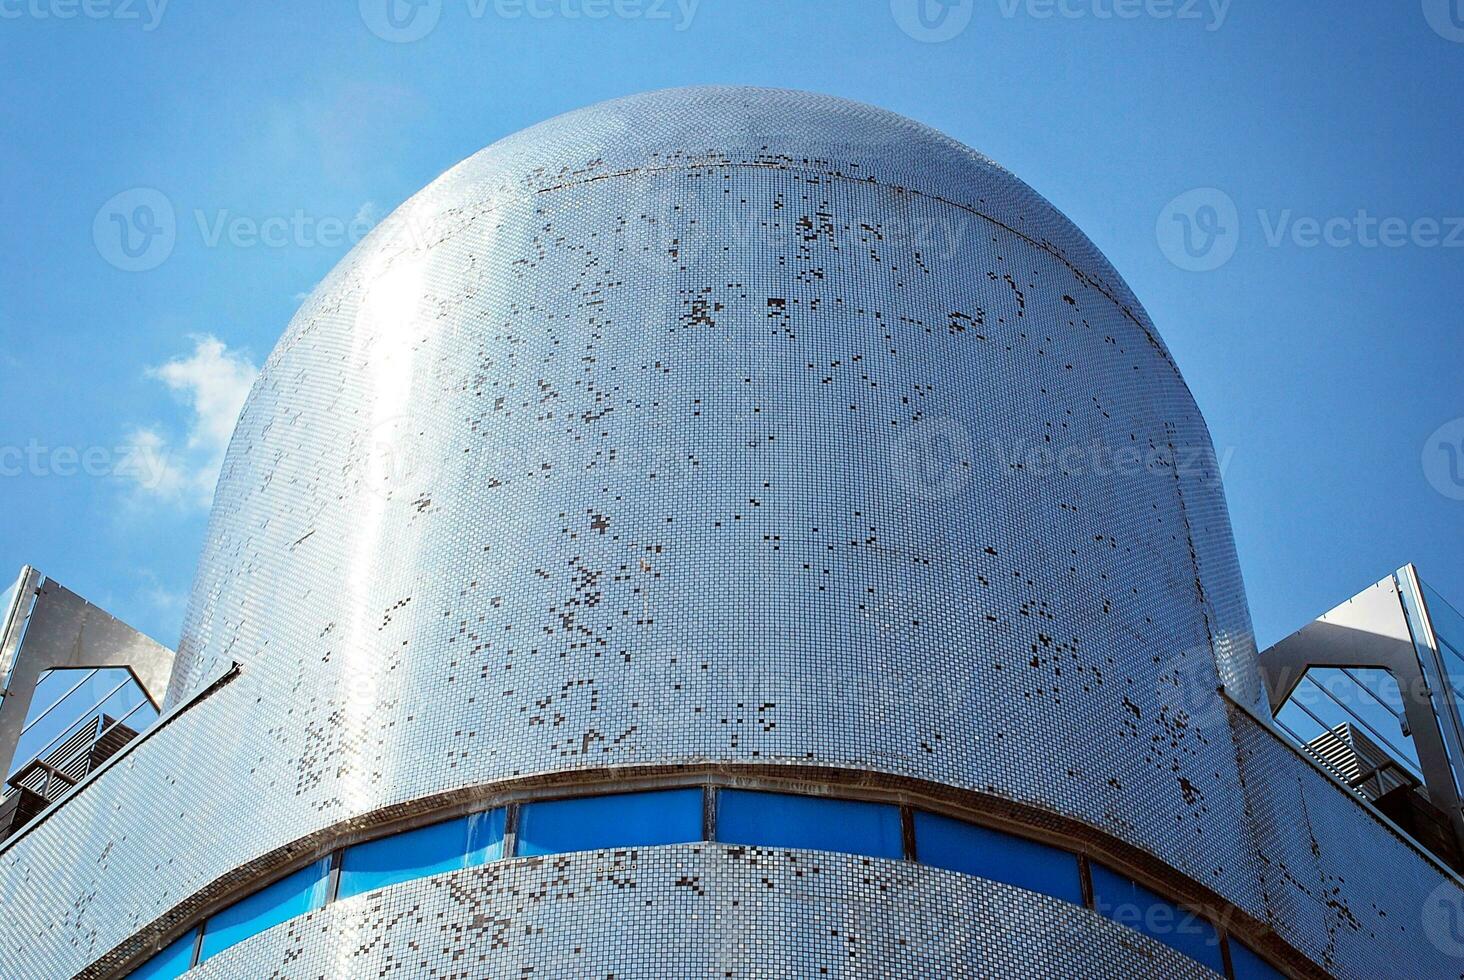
{"points": [[1322, 336]]}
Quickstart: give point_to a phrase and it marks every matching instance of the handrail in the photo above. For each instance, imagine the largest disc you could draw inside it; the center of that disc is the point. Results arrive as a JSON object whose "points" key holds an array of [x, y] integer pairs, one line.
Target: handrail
{"points": [[91, 712], [209, 686], [1300, 751]]}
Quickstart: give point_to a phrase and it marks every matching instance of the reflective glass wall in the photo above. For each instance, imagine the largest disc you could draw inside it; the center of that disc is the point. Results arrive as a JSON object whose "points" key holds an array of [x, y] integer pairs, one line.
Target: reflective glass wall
{"points": [[8, 610], [1369, 700]]}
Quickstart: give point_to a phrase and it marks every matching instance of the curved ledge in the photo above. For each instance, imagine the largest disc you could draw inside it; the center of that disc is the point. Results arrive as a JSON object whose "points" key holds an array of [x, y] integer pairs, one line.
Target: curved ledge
{"points": [[983, 810]]}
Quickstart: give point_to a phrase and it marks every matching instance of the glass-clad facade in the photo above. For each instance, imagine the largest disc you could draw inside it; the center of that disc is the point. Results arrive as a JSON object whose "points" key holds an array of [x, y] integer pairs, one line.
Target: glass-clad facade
{"points": [[1374, 691], [71, 699], [1448, 630], [7, 600], [9, 627]]}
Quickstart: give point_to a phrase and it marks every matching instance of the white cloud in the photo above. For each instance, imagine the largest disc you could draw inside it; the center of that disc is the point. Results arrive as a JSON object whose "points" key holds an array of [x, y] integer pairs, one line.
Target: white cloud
{"points": [[213, 381], [147, 460], [158, 596]]}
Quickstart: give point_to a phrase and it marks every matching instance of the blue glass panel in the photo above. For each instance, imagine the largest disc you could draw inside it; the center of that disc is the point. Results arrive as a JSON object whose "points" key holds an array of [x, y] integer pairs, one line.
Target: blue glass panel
{"points": [[1131, 904], [293, 895], [1448, 629], [811, 822], [945, 843], [624, 820], [172, 961], [447, 846], [1249, 966]]}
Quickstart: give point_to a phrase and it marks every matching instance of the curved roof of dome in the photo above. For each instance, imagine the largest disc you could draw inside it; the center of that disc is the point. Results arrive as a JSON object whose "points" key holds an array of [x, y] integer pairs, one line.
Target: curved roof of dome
{"points": [[719, 126]]}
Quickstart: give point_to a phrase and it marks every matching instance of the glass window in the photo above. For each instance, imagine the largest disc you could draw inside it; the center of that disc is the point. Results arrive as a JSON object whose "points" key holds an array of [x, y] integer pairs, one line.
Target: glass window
{"points": [[1131, 904], [958, 846], [593, 823], [816, 823], [172, 961], [1249, 966], [447, 846], [296, 894]]}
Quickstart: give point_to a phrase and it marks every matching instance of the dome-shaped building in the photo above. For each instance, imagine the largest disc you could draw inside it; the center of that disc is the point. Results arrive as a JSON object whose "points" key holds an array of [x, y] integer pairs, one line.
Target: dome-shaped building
{"points": [[727, 426], [719, 532]]}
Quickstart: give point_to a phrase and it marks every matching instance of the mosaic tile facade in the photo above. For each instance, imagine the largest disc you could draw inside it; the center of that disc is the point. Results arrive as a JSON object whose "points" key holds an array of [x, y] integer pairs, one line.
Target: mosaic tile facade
{"points": [[716, 425], [702, 911], [773, 447]]}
